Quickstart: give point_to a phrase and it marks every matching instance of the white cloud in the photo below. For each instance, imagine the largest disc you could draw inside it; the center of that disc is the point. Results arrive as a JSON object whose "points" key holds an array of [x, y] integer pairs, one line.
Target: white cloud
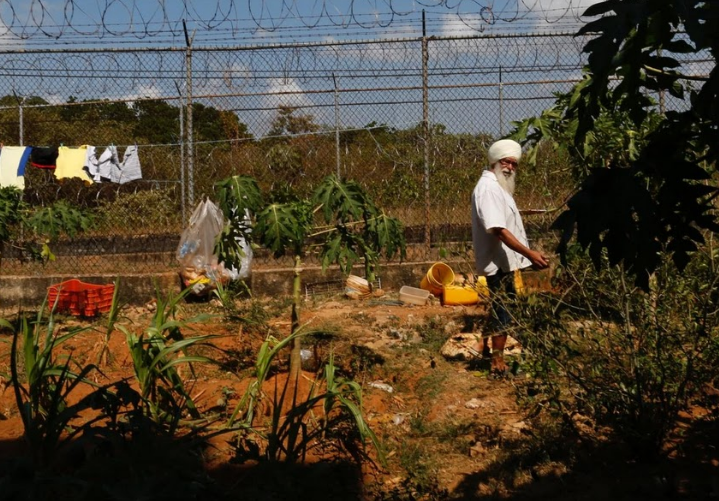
{"points": [[285, 92]]}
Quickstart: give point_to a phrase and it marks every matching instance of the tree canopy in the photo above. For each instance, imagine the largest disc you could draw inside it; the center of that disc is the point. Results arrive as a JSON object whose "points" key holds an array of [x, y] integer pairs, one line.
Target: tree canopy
{"points": [[659, 199]]}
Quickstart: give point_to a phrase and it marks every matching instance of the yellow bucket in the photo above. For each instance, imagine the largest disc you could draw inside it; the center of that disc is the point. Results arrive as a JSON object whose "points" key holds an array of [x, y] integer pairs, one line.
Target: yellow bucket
{"points": [[460, 295], [438, 276]]}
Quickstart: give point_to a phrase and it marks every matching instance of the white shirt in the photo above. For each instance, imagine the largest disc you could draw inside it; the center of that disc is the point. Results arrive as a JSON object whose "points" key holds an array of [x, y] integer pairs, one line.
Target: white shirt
{"points": [[493, 207]]}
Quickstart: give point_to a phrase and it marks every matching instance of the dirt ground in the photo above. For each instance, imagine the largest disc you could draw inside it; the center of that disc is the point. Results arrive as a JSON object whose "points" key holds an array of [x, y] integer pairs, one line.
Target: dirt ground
{"points": [[448, 430]]}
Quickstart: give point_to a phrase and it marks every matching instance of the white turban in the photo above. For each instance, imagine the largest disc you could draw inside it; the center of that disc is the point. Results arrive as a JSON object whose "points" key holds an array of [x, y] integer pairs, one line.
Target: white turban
{"points": [[503, 149]]}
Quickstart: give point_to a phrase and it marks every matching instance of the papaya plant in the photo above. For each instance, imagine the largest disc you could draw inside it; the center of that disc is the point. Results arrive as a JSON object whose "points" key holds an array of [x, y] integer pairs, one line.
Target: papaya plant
{"points": [[29, 229], [351, 229], [358, 229]]}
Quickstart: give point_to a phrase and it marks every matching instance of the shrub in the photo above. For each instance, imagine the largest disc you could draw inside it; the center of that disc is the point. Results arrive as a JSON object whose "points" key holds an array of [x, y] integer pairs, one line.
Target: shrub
{"points": [[628, 359]]}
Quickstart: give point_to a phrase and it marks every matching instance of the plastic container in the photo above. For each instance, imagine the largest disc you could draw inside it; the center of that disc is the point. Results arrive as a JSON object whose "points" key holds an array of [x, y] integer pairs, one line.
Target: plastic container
{"points": [[80, 298], [413, 295], [481, 286], [460, 295], [438, 276]]}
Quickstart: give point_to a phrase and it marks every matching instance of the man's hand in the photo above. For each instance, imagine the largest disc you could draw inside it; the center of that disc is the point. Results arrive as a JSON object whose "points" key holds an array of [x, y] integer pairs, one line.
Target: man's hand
{"points": [[539, 260]]}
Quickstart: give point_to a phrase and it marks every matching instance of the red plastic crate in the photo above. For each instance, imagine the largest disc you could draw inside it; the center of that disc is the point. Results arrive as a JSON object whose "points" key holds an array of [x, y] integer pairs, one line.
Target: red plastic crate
{"points": [[80, 298]]}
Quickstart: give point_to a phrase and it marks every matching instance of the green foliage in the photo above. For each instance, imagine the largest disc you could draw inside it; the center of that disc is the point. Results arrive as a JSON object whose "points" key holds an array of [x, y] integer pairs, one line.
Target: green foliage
{"points": [[43, 388], [11, 210], [360, 229], [292, 434], [284, 227], [238, 197], [146, 211], [659, 200], [29, 229], [156, 354], [112, 317], [614, 141], [622, 357], [60, 219], [288, 122]]}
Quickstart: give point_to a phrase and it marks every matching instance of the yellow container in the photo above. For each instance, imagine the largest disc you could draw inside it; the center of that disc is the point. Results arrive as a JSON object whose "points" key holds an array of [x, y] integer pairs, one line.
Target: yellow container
{"points": [[483, 290], [459, 295], [437, 278], [481, 286], [519, 283]]}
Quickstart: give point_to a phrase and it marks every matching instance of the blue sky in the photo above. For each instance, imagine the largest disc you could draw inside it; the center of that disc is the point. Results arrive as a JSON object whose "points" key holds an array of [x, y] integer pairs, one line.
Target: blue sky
{"points": [[285, 76], [44, 23]]}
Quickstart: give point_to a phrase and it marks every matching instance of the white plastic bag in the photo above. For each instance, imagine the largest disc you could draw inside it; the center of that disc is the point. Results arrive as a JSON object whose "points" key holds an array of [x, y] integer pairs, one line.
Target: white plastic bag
{"points": [[246, 259], [195, 253]]}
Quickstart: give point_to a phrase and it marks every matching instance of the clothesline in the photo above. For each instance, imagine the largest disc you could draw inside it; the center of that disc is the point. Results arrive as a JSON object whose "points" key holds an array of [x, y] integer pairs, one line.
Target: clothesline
{"points": [[81, 162]]}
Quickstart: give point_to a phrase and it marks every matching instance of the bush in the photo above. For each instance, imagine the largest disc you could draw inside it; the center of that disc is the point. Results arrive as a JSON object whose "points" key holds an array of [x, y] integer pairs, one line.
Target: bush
{"points": [[627, 359]]}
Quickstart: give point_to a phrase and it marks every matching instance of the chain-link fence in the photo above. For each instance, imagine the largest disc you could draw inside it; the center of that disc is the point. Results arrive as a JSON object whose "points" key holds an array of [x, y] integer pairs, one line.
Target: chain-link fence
{"points": [[409, 119]]}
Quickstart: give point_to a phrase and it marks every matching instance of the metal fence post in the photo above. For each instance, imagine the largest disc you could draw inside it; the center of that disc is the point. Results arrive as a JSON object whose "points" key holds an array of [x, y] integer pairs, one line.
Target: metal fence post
{"points": [[425, 131], [190, 135], [501, 104], [182, 154], [337, 126]]}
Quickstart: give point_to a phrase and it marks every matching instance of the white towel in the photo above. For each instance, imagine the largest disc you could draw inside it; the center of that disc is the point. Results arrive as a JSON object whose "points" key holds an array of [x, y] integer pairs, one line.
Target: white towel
{"points": [[12, 166], [130, 167]]}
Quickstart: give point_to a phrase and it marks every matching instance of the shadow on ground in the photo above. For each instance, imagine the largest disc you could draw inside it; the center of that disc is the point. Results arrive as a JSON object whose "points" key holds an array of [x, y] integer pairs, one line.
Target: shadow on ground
{"points": [[564, 469]]}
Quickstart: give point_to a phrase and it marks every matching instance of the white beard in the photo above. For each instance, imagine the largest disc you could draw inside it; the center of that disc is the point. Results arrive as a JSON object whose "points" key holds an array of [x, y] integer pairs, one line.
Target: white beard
{"points": [[505, 177]]}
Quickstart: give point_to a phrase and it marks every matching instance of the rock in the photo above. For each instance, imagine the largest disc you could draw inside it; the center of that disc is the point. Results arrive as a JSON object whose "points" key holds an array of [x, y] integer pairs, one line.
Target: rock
{"points": [[381, 386], [476, 450], [474, 403], [451, 327], [461, 347]]}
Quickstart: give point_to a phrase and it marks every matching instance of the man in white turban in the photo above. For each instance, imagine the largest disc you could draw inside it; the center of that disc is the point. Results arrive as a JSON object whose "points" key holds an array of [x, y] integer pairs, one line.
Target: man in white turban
{"points": [[499, 240]]}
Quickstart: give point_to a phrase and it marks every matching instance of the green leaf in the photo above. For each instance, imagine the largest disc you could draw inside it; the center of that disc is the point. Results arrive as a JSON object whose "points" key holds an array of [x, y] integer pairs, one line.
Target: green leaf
{"points": [[342, 201], [601, 8]]}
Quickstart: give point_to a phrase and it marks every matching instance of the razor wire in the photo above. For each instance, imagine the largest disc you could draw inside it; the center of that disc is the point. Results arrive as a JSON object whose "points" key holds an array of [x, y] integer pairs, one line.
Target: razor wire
{"points": [[147, 20]]}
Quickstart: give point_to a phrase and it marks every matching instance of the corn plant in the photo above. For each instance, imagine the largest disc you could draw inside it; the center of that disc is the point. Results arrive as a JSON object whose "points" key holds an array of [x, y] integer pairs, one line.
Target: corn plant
{"points": [[105, 356], [156, 354], [42, 392], [290, 436]]}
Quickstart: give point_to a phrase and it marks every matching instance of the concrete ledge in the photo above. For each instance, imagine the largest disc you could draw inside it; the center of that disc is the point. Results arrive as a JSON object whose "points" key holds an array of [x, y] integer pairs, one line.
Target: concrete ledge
{"points": [[24, 292]]}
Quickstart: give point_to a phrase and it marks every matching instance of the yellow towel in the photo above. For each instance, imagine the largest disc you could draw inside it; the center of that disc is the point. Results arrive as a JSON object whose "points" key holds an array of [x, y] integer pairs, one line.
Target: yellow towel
{"points": [[70, 163]]}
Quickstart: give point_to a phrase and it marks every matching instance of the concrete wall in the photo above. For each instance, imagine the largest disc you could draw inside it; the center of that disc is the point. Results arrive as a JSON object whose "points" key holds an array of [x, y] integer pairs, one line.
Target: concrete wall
{"points": [[29, 292]]}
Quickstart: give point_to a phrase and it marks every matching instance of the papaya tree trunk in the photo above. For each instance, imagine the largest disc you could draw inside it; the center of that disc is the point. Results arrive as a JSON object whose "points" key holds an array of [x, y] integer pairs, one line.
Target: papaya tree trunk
{"points": [[369, 272], [295, 355]]}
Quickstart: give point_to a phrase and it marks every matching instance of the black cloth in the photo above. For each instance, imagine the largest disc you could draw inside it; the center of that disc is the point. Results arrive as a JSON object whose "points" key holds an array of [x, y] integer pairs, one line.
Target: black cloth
{"points": [[43, 157]]}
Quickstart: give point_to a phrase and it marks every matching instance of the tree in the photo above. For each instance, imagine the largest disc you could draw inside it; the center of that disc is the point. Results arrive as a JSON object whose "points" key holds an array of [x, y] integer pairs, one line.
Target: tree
{"points": [[657, 200], [287, 123], [157, 122]]}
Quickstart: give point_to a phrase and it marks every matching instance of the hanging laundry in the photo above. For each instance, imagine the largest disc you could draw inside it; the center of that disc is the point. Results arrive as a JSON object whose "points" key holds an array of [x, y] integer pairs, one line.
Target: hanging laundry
{"points": [[12, 165], [43, 157], [130, 167], [71, 163], [91, 163], [108, 165]]}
